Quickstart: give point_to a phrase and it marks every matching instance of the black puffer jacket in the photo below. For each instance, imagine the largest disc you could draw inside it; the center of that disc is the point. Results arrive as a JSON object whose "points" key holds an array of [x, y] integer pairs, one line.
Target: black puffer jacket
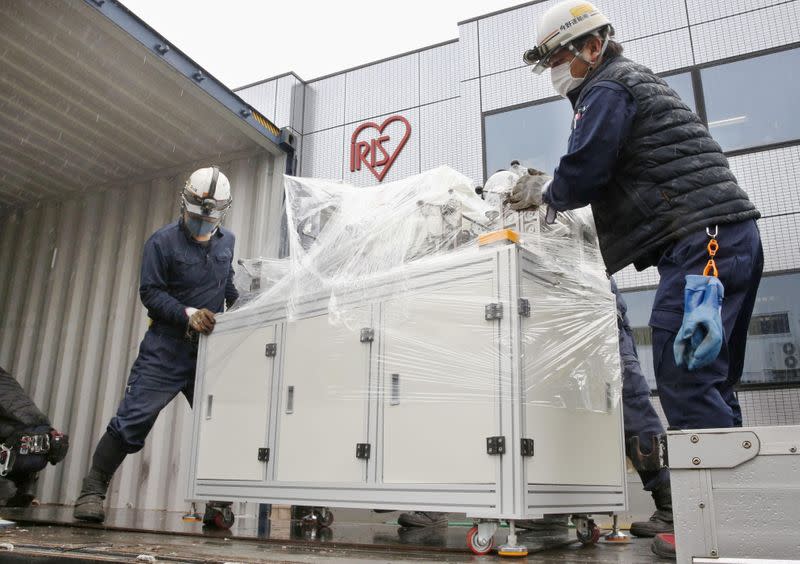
{"points": [[17, 410], [672, 178]]}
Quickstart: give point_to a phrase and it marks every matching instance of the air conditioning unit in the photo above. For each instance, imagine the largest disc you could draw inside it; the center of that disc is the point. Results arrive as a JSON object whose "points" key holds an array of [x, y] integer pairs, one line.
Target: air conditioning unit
{"points": [[783, 354]]}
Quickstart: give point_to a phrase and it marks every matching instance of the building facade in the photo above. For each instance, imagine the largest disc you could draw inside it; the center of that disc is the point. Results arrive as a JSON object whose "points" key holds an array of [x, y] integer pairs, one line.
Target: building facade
{"points": [[472, 104]]}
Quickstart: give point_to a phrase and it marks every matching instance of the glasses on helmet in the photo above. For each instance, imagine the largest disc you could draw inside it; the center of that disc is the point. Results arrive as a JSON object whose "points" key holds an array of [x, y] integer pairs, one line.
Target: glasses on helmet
{"points": [[210, 207], [542, 60]]}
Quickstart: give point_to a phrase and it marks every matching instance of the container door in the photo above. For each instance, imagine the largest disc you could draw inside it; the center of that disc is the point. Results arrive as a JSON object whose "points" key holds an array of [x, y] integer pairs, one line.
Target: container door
{"points": [[235, 404], [324, 398], [439, 379]]}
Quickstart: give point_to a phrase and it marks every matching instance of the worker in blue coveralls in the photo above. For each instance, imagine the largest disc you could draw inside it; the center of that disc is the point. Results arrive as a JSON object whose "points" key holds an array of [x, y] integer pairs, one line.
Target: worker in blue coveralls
{"points": [[186, 278], [660, 188]]}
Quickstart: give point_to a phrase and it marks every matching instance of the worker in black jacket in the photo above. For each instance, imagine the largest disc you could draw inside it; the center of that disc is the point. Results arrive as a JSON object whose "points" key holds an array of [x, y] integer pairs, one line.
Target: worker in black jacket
{"points": [[28, 441], [186, 278], [660, 189]]}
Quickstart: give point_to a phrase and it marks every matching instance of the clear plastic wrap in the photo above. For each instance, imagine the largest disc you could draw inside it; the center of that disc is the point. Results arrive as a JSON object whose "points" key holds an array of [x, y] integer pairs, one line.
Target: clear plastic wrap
{"points": [[405, 262]]}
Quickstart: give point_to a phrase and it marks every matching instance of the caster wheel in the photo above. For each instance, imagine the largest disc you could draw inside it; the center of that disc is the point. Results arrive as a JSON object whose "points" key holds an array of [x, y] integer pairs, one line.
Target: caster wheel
{"points": [[591, 536], [224, 519], [219, 517], [326, 519], [475, 545]]}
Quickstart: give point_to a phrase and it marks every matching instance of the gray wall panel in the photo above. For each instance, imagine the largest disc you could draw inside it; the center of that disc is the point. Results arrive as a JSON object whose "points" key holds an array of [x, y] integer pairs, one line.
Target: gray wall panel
{"points": [[323, 154], [382, 88], [780, 237], [771, 179], [702, 10], [439, 73], [471, 131], [628, 277], [468, 50], [752, 31], [649, 51], [644, 17], [503, 38], [289, 103], [440, 127], [72, 319], [324, 104], [518, 86]]}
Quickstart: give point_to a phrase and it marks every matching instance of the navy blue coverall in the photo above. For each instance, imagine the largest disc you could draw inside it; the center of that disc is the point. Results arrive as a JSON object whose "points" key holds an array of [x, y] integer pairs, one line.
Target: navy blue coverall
{"points": [[177, 272], [640, 418], [702, 398]]}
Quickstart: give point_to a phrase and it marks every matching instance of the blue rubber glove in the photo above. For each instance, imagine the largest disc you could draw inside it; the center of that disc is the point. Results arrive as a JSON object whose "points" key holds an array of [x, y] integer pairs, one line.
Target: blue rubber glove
{"points": [[699, 339]]}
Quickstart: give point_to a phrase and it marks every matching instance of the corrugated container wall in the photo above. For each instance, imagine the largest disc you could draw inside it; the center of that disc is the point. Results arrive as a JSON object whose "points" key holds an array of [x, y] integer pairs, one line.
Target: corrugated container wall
{"points": [[71, 319]]}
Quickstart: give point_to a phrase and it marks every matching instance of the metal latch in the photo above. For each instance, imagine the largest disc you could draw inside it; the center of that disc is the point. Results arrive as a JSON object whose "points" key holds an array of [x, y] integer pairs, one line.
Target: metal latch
{"points": [[495, 445], [494, 311], [363, 450], [367, 334], [524, 307], [263, 455], [526, 447], [271, 349]]}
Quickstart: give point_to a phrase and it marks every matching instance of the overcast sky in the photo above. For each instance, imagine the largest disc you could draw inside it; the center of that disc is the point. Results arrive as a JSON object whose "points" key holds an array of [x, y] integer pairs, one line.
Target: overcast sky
{"points": [[243, 41]]}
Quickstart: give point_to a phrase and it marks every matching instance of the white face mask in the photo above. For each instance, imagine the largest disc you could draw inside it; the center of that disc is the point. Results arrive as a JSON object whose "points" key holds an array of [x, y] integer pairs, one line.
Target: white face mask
{"points": [[562, 78]]}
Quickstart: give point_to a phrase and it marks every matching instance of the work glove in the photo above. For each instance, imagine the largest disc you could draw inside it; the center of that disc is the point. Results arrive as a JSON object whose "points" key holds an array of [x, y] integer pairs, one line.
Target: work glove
{"points": [[699, 339], [527, 192], [202, 321]]}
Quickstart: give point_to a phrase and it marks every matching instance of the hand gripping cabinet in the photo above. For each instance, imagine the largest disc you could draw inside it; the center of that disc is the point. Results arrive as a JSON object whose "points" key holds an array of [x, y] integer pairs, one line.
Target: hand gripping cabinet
{"points": [[448, 368]]}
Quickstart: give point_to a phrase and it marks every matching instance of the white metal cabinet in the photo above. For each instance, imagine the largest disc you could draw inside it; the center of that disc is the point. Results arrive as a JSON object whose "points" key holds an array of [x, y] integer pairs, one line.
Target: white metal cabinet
{"points": [[234, 403], [324, 399], [451, 369]]}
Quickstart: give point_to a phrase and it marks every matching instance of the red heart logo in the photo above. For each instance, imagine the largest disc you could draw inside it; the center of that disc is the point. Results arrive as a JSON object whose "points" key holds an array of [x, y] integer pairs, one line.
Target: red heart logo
{"points": [[372, 153]]}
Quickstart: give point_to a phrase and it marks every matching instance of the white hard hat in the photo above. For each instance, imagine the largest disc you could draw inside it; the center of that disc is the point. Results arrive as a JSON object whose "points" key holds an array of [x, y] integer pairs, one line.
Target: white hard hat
{"points": [[561, 25], [207, 195]]}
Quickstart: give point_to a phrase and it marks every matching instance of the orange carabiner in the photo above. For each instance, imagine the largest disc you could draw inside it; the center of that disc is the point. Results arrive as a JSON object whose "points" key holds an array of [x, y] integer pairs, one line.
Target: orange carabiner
{"points": [[711, 266]]}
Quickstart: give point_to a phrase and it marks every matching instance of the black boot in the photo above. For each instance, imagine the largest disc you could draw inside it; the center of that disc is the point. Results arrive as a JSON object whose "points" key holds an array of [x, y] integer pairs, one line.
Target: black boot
{"points": [[108, 455], [661, 520], [89, 505], [23, 497]]}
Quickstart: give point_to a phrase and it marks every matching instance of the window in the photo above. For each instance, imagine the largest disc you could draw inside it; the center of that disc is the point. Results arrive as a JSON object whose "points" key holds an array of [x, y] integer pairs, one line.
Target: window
{"points": [[770, 324], [773, 345], [536, 136], [752, 102], [682, 85]]}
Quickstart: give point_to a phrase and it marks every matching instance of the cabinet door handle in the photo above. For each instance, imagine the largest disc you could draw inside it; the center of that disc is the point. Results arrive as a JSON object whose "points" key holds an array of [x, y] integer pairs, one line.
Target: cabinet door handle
{"points": [[290, 399], [209, 404], [395, 392]]}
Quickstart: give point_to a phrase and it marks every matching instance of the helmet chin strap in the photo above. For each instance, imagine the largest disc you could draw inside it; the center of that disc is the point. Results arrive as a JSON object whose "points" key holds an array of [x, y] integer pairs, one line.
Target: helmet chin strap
{"points": [[580, 56]]}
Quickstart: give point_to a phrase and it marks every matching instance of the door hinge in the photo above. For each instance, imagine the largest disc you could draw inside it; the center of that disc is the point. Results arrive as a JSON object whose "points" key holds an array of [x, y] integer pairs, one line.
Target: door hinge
{"points": [[495, 445], [263, 455], [271, 349], [526, 447], [367, 334], [363, 450], [524, 307], [493, 311]]}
